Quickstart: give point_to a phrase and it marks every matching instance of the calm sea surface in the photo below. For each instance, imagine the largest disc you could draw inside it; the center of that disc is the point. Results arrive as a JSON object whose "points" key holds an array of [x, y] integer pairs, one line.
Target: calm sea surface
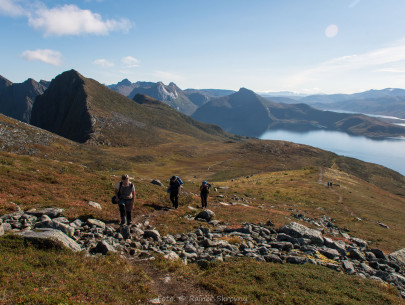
{"points": [[389, 153]]}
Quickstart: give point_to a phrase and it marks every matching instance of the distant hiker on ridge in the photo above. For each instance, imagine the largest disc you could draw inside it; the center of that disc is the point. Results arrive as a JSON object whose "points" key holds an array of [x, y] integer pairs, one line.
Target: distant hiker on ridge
{"points": [[125, 192], [174, 190], [204, 191]]}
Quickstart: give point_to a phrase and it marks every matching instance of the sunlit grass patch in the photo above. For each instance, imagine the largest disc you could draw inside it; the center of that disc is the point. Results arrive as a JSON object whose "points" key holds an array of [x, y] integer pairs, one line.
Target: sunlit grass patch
{"points": [[32, 276]]}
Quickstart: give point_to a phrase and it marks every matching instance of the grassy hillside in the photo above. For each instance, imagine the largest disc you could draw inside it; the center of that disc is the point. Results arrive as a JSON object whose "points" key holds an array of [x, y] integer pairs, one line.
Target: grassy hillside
{"points": [[256, 181]]}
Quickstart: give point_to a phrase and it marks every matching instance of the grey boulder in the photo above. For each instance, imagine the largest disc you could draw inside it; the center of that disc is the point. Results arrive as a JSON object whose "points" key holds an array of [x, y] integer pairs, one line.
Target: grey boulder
{"points": [[50, 238], [206, 215], [298, 230], [398, 257]]}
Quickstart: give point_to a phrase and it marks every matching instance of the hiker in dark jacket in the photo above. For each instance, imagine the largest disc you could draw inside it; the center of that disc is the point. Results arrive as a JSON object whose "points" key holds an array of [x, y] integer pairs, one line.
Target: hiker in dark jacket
{"points": [[125, 191], [204, 191], [174, 190]]}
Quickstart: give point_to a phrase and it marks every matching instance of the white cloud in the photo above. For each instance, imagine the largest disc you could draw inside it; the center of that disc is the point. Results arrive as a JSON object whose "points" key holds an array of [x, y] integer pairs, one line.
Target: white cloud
{"points": [[45, 55], [71, 20], [11, 8], [130, 62], [103, 63]]}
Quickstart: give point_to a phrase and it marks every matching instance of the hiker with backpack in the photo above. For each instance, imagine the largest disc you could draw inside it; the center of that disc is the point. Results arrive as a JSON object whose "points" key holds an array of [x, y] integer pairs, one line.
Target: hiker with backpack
{"points": [[174, 190], [204, 191], [125, 197]]}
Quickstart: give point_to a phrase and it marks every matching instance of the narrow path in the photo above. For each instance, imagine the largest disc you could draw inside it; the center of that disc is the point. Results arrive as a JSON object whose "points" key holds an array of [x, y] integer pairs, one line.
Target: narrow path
{"points": [[320, 181], [173, 289]]}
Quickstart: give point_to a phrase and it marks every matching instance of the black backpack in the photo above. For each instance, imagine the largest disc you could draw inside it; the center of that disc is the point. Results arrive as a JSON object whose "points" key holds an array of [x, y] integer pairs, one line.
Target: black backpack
{"points": [[115, 197]]}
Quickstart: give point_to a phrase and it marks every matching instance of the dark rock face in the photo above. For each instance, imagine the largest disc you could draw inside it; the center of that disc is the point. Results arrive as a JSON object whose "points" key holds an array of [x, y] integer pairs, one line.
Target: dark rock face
{"points": [[16, 100], [63, 108], [242, 113]]}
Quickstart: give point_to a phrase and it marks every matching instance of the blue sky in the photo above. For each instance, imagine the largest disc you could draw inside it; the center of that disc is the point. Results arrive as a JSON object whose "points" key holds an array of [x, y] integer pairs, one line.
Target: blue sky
{"points": [[307, 46]]}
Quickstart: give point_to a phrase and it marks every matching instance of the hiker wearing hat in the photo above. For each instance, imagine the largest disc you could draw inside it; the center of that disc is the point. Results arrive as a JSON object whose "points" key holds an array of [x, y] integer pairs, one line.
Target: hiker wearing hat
{"points": [[174, 190], [125, 191], [204, 191]]}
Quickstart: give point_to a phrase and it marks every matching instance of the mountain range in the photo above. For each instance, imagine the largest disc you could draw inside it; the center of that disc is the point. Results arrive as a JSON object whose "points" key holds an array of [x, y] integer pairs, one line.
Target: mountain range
{"points": [[69, 99], [249, 114], [388, 102], [83, 110], [17, 99], [185, 101]]}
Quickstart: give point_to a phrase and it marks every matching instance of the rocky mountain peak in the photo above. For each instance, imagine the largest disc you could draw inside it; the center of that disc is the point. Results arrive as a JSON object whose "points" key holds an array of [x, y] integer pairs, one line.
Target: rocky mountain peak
{"points": [[4, 82], [124, 82]]}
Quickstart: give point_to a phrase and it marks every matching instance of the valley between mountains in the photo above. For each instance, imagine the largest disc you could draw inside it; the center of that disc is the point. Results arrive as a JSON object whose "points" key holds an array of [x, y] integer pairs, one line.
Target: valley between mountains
{"points": [[344, 248]]}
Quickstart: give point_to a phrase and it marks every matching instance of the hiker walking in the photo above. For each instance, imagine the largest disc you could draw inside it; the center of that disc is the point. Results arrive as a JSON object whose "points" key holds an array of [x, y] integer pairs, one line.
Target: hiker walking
{"points": [[125, 192], [204, 191], [174, 190]]}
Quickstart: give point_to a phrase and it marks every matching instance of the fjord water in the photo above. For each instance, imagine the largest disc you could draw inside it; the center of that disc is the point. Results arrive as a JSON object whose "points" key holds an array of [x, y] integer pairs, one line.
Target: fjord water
{"points": [[388, 152]]}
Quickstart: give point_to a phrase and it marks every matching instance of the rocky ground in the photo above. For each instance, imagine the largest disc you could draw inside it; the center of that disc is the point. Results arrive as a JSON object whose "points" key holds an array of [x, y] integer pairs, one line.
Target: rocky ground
{"points": [[293, 243]]}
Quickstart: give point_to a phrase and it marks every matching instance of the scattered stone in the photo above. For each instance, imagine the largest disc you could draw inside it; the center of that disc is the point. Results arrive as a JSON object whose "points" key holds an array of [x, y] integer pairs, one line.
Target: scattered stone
{"points": [[360, 242], [379, 254], [153, 234], [1, 228], [95, 205], [356, 254], [383, 225], [398, 256], [298, 260], [206, 215], [273, 258], [329, 253], [297, 230], [51, 212], [156, 182], [50, 238], [103, 247], [125, 231], [95, 222], [348, 267], [172, 256], [58, 219]]}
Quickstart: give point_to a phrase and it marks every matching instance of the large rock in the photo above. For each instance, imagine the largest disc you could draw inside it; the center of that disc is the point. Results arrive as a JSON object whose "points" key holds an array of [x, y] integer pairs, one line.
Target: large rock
{"points": [[68, 230], [379, 253], [298, 230], [153, 234], [273, 258], [95, 205], [205, 215], [51, 212], [103, 247], [96, 222], [298, 260], [348, 267], [360, 242], [49, 238], [330, 253], [156, 182], [398, 256], [338, 245], [172, 256]]}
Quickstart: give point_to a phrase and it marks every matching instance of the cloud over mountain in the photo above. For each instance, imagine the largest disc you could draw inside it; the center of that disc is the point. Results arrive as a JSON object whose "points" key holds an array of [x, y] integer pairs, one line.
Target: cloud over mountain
{"points": [[68, 19], [71, 20], [45, 55]]}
